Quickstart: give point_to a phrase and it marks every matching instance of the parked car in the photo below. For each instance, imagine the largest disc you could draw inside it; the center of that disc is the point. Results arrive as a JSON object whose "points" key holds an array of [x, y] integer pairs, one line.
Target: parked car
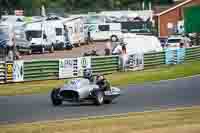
{"points": [[21, 42], [6, 42], [175, 42], [163, 41]]}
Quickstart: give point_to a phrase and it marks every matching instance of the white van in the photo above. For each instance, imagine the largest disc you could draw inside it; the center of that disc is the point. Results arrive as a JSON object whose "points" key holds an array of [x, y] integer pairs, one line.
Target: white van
{"points": [[61, 41], [105, 31], [75, 27], [41, 36]]}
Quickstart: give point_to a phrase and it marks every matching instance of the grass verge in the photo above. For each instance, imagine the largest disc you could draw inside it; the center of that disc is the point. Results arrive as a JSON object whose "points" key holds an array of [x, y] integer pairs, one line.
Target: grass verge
{"points": [[184, 120], [117, 79]]}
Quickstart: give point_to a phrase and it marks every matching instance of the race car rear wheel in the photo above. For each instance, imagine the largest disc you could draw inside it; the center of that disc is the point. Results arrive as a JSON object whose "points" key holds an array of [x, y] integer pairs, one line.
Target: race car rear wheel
{"points": [[54, 97], [99, 100]]}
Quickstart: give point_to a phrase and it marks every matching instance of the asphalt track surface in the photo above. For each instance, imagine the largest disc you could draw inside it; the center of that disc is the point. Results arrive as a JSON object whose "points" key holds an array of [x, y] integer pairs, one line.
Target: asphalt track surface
{"points": [[135, 98]]}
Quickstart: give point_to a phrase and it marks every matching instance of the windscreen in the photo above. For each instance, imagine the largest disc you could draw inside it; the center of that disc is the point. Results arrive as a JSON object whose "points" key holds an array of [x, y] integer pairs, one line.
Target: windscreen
{"points": [[33, 34], [104, 28], [58, 31], [136, 26], [3, 35], [174, 40]]}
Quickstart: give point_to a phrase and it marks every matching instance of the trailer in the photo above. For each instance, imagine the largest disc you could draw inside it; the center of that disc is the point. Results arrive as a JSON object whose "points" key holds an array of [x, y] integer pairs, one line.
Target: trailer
{"points": [[75, 29]]}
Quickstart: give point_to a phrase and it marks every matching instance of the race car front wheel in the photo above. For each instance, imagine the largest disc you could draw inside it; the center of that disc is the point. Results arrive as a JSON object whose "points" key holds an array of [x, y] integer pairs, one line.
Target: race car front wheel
{"points": [[54, 97], [99, 100]]}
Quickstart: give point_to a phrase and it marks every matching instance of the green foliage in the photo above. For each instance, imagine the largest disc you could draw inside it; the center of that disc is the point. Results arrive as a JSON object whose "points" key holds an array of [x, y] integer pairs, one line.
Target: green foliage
{"points": [[78, 5], [192, 15]]}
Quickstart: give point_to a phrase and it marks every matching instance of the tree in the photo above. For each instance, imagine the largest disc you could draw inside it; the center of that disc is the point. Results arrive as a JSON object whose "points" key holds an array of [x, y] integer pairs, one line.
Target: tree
{"points": [[71, 5]]}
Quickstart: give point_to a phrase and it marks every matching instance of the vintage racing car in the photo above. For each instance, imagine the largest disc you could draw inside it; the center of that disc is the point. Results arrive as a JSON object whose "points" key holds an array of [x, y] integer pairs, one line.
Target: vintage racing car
{"points": [[81, 90]]}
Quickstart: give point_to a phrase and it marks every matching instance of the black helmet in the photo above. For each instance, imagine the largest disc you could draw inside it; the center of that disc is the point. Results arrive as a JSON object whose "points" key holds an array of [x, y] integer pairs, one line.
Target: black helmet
{"points": [[100, 77], [87, 73]]}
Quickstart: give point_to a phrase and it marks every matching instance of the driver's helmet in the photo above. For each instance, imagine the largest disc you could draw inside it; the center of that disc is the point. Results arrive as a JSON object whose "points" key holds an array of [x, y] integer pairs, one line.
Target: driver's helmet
{"points": [[100, 77], [87, 73]]}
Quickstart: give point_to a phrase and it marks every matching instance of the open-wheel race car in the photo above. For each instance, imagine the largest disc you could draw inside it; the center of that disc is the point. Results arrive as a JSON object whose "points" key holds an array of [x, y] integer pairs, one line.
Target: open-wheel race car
{"points": [[82, 90]]}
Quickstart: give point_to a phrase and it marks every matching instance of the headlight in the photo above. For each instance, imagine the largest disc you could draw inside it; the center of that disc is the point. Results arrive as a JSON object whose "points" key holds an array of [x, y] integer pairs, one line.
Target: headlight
{"points": [[30, 38]]}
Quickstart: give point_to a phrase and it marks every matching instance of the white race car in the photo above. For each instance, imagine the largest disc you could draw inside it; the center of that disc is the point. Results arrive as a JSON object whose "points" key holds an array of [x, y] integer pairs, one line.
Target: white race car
{"points": [[80, 90]]}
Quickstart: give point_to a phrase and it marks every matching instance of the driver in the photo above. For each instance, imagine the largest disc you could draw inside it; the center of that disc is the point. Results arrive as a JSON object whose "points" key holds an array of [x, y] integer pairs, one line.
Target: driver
{"points": [[87, 74], [103, 83]]}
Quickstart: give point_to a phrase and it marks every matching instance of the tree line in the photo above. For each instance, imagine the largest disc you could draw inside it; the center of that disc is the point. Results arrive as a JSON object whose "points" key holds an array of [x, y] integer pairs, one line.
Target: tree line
{"points": [[77, 5]]}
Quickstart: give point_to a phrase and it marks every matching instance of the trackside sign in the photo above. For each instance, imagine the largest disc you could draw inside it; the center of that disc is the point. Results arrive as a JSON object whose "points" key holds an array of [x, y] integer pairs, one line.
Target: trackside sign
{"points": [[67, 68], [83, 63]]}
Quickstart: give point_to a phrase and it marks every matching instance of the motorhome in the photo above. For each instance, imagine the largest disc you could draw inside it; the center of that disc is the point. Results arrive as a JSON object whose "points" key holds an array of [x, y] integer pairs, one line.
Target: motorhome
{"points": [[75, 29], [105, 31], [41, 36]]}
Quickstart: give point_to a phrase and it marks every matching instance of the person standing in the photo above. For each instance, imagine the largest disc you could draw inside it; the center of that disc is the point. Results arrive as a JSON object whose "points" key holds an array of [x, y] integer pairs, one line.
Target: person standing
{"points": [[124, 57], [108, 48], [89, 38]]}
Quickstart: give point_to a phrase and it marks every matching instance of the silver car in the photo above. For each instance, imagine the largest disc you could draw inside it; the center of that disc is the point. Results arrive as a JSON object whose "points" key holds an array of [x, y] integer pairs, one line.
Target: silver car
{"points": [[81, 90]]}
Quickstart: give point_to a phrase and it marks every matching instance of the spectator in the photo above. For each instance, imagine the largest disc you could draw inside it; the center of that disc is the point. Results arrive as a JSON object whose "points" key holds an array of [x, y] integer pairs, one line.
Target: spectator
{"points": [[89, 39], [181, 45], [123, 49], [188, 41], [108, 48], [124, 57]]}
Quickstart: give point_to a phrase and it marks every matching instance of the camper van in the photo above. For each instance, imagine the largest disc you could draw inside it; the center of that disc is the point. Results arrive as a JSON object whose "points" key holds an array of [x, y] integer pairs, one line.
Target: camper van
{"points": [[41, 35], [75, 28], [105, 31]]}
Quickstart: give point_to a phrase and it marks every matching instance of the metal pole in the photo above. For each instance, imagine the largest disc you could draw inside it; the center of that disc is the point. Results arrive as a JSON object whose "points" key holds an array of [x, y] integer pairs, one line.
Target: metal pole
{"points": [[0, 11]]}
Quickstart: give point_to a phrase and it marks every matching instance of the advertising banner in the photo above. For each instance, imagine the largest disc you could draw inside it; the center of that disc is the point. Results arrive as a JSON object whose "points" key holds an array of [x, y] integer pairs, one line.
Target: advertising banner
{"points": [[67, 68], [18, 71], [170, 56], [9, 72], [180, 55], [136, 62], [174, 56], [83, 63]]}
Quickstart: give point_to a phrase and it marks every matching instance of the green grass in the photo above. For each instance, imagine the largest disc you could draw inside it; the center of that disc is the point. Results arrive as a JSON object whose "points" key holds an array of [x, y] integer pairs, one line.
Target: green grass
{"points": [[182, 120], [116, 79], [26, 88], [164, 73]]}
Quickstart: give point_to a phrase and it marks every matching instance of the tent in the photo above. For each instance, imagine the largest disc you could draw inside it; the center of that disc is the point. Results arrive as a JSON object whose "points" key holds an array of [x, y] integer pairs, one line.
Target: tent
{"points": [[139, 44]]}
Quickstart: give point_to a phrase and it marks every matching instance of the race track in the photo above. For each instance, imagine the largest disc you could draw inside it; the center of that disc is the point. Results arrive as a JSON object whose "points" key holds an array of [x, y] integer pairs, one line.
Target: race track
{"points": [[135, 98]]}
